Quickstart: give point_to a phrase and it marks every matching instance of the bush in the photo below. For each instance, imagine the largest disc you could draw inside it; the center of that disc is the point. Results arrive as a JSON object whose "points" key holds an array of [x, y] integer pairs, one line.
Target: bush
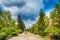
{"points": [[10, 31], [13, 33], [48, 37], [36, 32], [52, 29], [2, 36], [44, 34], [19, 31]]}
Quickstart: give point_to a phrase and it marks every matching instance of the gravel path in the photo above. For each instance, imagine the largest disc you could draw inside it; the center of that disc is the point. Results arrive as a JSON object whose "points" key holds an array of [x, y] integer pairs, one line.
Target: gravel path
{"points": [[27, 36]]}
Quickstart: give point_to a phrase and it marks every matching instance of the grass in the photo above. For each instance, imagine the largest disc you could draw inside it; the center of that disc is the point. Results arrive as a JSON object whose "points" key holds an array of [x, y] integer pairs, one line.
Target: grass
{"points": [[47, 37]]}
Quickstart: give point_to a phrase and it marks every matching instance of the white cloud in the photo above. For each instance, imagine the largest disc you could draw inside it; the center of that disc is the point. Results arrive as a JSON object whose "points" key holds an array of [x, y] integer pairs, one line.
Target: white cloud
{"points": [[14, 17], [30, 5], [13, 9], [13, 3], [29, 22]]}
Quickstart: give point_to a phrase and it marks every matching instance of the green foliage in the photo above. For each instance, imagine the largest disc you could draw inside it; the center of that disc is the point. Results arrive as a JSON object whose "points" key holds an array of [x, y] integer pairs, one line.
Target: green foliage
{"points": [[7, 25], [52, 29], [39, 26], [41, 17], [48, 37], [13, 33], [9, 28], [2, 36], [41, 22], [21, 25], [36, 32], [55, 16], [19, 31], [57, 6], [9, 31]]}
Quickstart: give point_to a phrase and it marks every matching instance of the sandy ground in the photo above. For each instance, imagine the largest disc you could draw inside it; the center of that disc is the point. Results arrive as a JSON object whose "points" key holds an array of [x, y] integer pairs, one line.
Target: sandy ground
{"points": [[27, 36]]}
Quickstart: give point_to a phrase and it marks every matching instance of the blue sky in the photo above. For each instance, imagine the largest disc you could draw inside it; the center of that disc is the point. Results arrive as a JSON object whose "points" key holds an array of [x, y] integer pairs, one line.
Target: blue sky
{"points": [[28, 9]]}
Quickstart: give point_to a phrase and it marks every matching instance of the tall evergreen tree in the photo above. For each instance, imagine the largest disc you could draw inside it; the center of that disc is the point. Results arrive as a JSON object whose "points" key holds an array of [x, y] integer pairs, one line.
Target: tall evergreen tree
{"points": [[1, 14], [55, 15], [57, 7], [41, 21], [1, 19], [6, 20], [39, 26], [20, 23], [41, 17]]}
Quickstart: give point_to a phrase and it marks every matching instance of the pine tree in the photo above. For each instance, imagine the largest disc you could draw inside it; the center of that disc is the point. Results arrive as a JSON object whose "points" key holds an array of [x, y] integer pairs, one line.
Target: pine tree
{"points": [[57, 7], [55, 15], [21, 25], [41, 22], [41, 17], [1, 14]]}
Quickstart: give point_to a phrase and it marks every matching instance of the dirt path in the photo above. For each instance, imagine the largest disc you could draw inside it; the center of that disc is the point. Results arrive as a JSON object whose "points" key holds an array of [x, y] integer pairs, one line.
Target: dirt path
{"points": [[28, 36]]}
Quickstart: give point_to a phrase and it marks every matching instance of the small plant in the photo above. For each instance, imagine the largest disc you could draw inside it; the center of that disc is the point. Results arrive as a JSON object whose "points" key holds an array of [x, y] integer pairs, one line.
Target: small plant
{"points": [[36, 32], [19, 31], [10, 31], [13, 33], [2, 36]]}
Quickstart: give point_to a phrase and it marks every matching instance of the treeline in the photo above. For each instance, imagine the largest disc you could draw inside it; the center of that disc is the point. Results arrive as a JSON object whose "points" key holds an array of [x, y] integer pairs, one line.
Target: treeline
{"points": [[8, 28], [47, 24]]}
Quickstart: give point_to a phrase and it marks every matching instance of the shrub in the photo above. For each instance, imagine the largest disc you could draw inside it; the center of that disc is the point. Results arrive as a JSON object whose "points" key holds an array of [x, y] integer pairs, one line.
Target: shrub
{"points": [[10, 31], [36, 32], [19, 31], [13, 33], [48, 37], [2, 36], [44, 34], [52, 29]]}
